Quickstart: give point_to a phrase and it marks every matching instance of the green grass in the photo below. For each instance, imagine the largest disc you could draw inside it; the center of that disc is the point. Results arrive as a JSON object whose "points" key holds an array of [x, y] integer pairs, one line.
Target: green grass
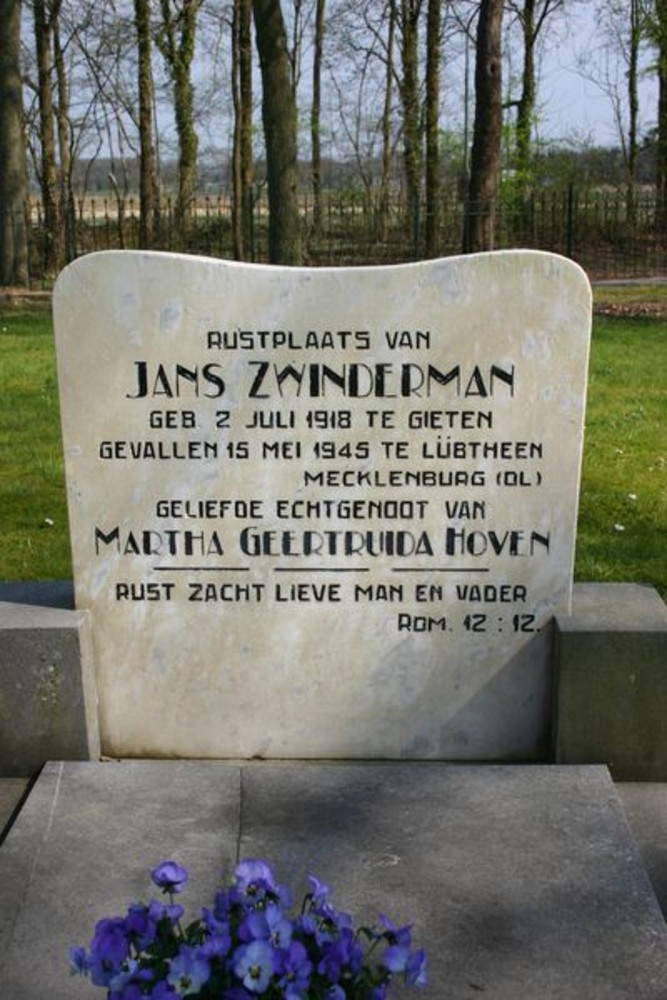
{"points": [[622, 532], [623, 509], [33, 510]]}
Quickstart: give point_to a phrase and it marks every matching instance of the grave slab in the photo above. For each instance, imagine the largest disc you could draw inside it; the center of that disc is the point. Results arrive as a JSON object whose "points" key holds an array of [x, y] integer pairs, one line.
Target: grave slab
{"points": [[520, 881], [645, 805], [323, 513], [82, 848]]}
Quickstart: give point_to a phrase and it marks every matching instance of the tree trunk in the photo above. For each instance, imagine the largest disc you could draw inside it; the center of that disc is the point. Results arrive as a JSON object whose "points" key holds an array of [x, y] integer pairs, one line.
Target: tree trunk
{"points": [[13, 184], [526, 104], [479, 222], [177, 44], [237, 201], [432, 130], [149, 195], [386, 127], [412, 154], [279, 120], [661, 166], [247, 158], [66, 194], [315, 136], [242, 159], [633, 108], [53, 228]]}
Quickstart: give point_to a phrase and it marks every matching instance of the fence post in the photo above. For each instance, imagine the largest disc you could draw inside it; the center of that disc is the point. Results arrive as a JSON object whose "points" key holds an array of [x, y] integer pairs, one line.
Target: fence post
{"points": [[570, 220]]}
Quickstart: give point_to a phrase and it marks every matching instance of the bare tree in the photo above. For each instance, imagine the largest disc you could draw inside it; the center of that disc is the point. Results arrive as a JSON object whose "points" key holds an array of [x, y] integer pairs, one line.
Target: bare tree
{"points": [[363, 42], [660, 37], [242, 157], [407, 13], [383, 214], [176, 41], [432, 128], [479, 221], [532, 16], [149, 192], [614, 68], [65, 142], [45, 17], [279, 120], [315, 116], [633, 104], [13, 186]]}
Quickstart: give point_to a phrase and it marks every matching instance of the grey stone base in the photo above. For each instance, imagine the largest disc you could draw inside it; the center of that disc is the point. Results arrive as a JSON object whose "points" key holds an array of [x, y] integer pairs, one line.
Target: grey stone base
{"points": [[521, 882], [48, 702], [610, 695]]}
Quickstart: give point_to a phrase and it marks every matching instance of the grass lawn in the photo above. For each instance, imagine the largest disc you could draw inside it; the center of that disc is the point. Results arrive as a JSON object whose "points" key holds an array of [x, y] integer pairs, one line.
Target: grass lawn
{"points": [[622, 532], [33, 510], [623, 511]]}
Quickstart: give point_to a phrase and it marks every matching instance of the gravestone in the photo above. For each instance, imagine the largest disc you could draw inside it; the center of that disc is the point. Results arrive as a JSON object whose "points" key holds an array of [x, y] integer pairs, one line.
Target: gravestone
{"points": [[323, 513]]}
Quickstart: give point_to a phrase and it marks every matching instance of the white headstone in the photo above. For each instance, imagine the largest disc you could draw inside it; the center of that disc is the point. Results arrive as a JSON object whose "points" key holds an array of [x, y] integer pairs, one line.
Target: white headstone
{"points": [[323, 513]]}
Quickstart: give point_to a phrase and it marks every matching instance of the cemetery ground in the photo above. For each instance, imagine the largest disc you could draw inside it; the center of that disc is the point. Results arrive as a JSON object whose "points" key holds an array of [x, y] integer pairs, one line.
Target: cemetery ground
{"points": [[623, 506]]}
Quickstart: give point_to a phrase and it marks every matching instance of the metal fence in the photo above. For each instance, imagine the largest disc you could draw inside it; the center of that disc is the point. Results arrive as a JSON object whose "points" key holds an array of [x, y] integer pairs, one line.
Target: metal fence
{"points": [[593, 228]]}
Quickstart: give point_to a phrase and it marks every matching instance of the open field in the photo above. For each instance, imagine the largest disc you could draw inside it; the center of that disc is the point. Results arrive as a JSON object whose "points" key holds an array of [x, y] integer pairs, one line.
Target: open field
{"points": [[623, 511]]}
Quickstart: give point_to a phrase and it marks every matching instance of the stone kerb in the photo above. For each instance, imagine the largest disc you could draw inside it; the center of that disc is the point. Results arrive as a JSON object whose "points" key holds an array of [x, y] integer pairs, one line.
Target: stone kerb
{"points": [[323, 513]]}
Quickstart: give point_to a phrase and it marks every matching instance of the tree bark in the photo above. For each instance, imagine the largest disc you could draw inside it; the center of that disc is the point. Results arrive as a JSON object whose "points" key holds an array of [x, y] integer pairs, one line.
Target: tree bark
{"points": [[661, 165], [479, 222], [633, 108], [13, 184], [432, 130], [247, 157], [412, 152], [242, 158], [526, 104], [44, 18], [383, 222], [237, 203], [279, 121], [315, 125], [64, 125], [149, 194]]}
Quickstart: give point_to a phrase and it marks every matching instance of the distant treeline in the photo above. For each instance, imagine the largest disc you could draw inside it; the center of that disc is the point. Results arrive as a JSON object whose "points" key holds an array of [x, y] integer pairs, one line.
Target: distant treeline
{"points": [[555, 166]]}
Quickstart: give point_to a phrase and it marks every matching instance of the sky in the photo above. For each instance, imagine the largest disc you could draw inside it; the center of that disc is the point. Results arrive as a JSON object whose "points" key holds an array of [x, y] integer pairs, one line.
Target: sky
{"points": [[575, 106]]}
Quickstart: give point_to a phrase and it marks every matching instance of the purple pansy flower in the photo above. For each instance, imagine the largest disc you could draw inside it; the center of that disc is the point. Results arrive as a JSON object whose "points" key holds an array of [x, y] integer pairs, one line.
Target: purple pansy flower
{"points": [[246, 946], [109, 948], [319, 891], [163, 991], [78, 961], [188, 971], [254, 965], [128, 992], [295, 970], [415, 970], [158, 911], [169, 876]]}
